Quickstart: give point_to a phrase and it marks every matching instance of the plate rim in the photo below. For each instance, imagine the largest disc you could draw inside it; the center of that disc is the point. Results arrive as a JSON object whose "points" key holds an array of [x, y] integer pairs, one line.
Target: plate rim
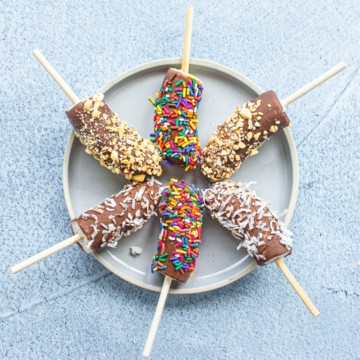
{"points": [[214, 66]]}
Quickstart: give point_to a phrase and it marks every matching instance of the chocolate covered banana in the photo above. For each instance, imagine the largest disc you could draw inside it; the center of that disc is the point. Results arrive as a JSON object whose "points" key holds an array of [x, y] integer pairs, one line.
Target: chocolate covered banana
{"points": [[117, 146], [249, 219], [118, 216], [181, 216], [176, 119], [241, 135], [104, 225]]}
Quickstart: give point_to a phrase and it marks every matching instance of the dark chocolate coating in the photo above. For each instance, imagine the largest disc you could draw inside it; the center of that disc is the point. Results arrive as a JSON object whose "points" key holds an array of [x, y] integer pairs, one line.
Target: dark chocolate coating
{"points": [[170, 247], [241, 135]]}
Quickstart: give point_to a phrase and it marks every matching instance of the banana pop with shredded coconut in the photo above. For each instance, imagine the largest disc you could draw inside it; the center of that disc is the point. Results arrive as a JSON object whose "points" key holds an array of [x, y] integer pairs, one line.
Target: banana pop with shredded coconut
{"points": [[249, 219], [118, 216], [117, 146]]}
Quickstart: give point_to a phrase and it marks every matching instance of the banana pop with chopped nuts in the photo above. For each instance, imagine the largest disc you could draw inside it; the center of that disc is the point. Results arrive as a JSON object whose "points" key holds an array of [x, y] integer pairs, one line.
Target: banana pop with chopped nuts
{"points": [[249, 219], [248, 127], [117, 146], [241, 135]]}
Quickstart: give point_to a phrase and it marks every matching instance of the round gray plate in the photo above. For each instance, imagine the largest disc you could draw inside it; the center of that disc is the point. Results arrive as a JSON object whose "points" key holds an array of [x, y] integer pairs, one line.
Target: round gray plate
{"points": [[275, 170]]}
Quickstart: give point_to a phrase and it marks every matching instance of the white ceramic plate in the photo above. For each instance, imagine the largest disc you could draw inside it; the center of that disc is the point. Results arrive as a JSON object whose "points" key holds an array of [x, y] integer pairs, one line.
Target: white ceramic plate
{"points": [[275, 170]]}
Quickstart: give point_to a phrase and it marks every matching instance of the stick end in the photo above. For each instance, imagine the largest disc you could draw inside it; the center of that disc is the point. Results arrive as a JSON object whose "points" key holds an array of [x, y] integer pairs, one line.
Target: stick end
{"points": [[14, 269], [147, 350], [36, 52], [343, 64]]}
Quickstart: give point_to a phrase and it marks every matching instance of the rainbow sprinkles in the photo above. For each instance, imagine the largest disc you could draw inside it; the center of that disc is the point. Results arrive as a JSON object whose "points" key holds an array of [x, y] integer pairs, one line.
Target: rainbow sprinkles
{"points": [[181, 216], [176, 118]]}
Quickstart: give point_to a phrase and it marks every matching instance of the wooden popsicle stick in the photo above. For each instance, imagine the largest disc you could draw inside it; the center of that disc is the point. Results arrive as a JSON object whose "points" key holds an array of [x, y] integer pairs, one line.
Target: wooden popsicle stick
{"points": [[187, 39], [157, 316], [167, 281], [298, 289], [56, 76], [313, 84], [44, 254]]}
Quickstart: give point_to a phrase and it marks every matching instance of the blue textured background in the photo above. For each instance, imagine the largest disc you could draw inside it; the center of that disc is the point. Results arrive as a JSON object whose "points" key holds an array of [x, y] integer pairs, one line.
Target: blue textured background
{"points": [[69, 306]]}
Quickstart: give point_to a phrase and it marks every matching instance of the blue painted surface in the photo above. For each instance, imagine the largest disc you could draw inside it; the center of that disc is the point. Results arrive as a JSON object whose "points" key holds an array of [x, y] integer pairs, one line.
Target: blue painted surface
{"points": [[69, 306]]}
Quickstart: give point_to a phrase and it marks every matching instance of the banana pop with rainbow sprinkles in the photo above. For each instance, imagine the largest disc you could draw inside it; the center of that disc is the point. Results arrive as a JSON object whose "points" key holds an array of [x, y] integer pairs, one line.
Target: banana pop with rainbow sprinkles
{"points": [[181, 217], [176, 111], [175, 120]]}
